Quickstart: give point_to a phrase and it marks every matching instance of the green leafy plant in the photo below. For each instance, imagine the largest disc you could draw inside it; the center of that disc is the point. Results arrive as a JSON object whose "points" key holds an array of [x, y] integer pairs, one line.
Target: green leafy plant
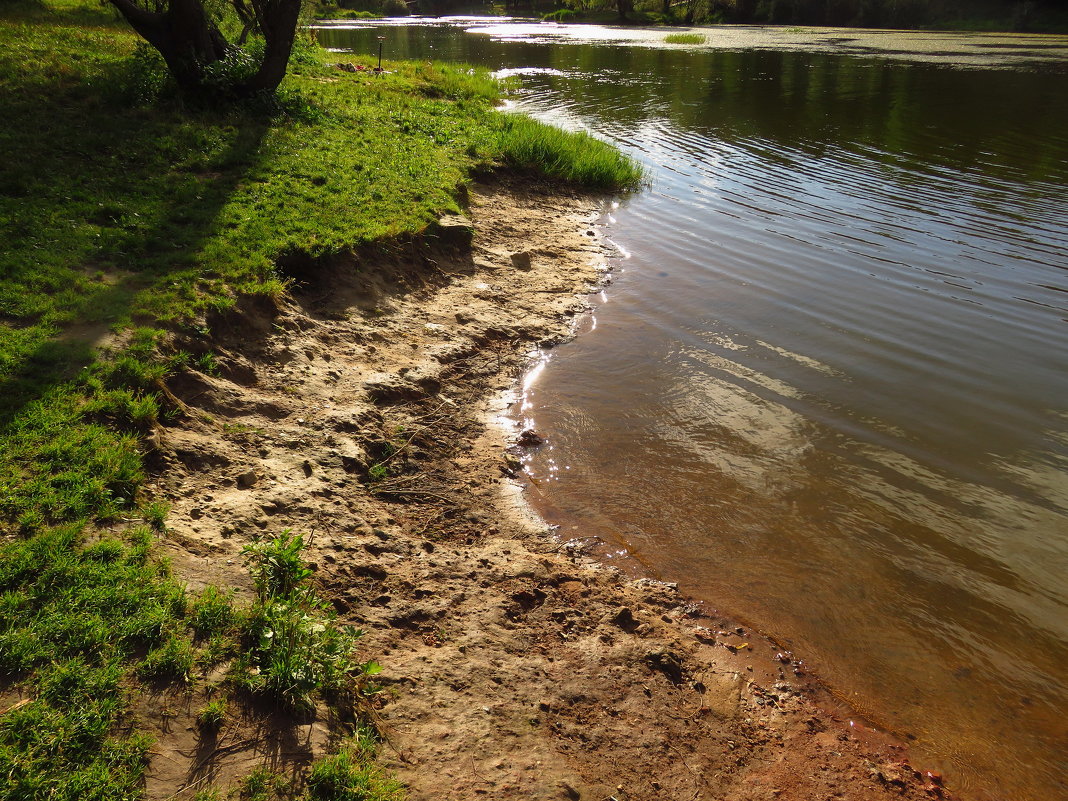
{"points": [[296, 646], [277, 565]]}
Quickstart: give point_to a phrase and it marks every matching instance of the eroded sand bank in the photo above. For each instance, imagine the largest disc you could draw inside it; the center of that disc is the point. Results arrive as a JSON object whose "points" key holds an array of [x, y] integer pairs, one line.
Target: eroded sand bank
{"points": [[517, 666]]}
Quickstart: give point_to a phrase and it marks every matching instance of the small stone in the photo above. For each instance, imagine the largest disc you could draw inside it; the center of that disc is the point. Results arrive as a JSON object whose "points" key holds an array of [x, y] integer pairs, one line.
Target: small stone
{"points": [[521, 260], [561, 615], [529, 438], [666, 662], [247, 479], [624, 618]]}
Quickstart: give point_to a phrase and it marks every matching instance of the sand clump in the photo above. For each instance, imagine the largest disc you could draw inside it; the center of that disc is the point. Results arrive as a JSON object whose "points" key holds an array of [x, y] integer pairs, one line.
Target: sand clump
{"points": [[516, 666]]}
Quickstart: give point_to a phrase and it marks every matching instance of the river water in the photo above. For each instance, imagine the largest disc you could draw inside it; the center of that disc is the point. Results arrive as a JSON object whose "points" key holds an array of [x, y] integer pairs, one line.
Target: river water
{"points": [[827, 391]]}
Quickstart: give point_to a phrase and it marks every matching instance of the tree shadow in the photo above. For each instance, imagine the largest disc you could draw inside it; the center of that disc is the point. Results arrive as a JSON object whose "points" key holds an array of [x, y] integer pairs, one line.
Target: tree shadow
{"points": [[99, 203], [89, 14]]}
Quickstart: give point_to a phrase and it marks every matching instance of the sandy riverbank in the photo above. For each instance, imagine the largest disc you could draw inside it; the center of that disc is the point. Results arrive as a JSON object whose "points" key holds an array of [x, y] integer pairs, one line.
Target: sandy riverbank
{"points": [[517, 667]]}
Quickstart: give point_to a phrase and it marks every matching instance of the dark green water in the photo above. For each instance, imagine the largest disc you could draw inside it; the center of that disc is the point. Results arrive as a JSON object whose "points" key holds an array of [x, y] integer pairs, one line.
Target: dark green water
{"points": [[828, 390]]}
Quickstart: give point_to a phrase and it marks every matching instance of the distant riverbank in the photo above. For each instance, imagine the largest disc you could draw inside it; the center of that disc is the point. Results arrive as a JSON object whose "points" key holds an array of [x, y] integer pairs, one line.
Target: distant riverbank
{"points": [[1011, 16]]}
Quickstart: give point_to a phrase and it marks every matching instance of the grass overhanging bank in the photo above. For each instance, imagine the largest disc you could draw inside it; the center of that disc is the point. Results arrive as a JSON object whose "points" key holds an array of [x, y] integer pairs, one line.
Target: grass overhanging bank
{"points": [[130, 224]]}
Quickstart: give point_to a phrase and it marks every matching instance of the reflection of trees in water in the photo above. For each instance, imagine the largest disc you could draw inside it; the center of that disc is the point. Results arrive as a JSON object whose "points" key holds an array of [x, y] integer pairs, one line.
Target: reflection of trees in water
{"points": [[1002, 123]]}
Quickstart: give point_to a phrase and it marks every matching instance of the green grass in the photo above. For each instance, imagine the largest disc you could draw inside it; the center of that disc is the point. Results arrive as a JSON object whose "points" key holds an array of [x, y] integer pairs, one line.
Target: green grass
{"points": [[212, 715], [75, 615], [684, 38], [126, 215], [351, 775], [577, 157]]}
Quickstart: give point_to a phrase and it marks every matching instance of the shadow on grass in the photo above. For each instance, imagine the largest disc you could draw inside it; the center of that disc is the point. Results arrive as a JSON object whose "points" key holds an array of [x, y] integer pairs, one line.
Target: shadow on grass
{"points": [[100, 203], [100, 14]]}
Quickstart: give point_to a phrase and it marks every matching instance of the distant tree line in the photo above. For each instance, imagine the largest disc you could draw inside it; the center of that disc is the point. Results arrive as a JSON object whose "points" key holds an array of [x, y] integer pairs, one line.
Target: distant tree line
{"points": [[970, 14], [1003, 15]]}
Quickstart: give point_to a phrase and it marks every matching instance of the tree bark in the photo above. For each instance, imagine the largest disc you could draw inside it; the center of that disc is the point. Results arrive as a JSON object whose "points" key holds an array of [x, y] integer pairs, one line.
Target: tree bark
{"points": [[183, 35], [278, 24]]}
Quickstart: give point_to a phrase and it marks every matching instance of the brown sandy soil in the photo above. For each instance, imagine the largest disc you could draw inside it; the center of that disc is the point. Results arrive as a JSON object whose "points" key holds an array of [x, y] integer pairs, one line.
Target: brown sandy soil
{"points": [[517, 666]]}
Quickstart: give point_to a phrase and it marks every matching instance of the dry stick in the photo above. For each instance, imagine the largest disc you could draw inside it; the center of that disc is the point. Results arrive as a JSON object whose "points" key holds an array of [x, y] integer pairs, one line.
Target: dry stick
{"points": [[216, 752], [416, 492], [433, 518], [315, 525], [16, 705], [478, 775], [563, 545], [201, 763], [189, 786], [701, 707], [380, 728], [696, 778]]}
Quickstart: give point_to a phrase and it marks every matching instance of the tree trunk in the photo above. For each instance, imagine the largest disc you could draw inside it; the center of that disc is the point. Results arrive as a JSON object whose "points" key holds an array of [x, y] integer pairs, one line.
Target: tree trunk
{"points": [[278, 23], [183, 35], [189, 41]]}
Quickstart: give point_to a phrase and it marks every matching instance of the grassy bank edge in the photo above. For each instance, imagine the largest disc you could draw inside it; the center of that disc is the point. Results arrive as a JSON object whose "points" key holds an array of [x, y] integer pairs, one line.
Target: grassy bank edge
{"points": [[138, 223]]}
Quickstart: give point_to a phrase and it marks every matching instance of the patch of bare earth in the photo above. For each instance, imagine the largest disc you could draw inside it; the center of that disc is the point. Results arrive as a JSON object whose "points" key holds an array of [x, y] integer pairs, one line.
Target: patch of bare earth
{"points": [[517, 667]]}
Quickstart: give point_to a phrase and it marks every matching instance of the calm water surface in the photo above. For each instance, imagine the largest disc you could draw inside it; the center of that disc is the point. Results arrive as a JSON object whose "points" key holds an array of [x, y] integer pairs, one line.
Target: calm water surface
{"points": [[828, 391]]}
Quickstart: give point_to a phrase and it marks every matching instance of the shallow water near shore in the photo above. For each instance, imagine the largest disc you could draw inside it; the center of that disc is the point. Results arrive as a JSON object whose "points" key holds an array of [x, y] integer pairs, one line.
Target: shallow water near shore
{"points": [[828, 388]]}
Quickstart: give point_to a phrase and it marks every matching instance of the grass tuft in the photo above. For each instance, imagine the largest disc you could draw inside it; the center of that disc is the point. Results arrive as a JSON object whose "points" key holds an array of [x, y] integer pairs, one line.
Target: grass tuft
{"points": [[213, 614], [685, 38], [351, 775], [577, 157], [212, 716]]}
